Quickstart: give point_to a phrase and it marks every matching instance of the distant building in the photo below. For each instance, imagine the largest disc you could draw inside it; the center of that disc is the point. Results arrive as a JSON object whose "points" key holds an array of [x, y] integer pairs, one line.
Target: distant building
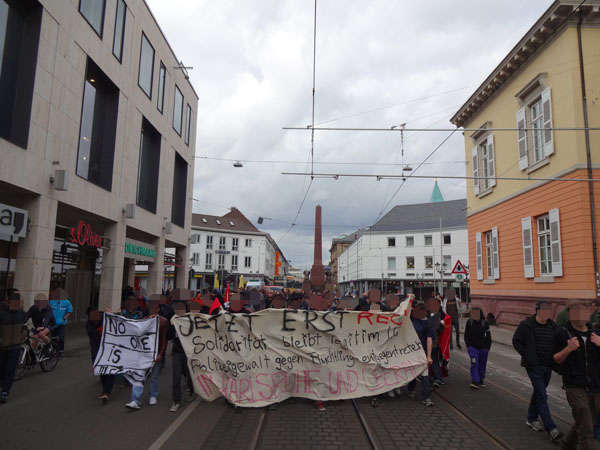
{"points": [[532, 234], [231, 248], [338, 246], [413, 248]]}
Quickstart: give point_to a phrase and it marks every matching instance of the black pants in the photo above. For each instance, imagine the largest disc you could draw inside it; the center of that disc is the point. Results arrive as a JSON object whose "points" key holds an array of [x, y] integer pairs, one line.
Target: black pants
{"points": [[8, 364], [456, 326], [108, 381], [180, 368]]}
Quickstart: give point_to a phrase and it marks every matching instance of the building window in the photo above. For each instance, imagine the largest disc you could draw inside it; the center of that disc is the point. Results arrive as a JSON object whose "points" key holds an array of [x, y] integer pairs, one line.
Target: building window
{"points": [[148, 168], [93, 12], [234, 263], [537, 134], [410, 241], [119, 30], [188, 122], [208, 264], [247, 261], [391, 242], [484, 166], [447, 262], [447, 239], [222, 241], [545, 244], [177, 110], [195, 259], [391, 263], [98, 128], [429, 262], [221, 263], [248, 242], [209, 242], [160, 98], [410, 262], [489, 252], [20, 23], [537, 143], [235, 243], [428, 240], [146, 69], [179, 191]]}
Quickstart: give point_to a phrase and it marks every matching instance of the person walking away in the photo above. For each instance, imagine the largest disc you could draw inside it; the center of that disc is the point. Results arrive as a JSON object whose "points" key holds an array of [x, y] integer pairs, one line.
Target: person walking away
{"points": [[180, 366], [435, 317], [533, 340], [452, 308], [93, 326], [426, 334], [576, 350], [137, 391], [42, 318], [61, 310], [478, 340], [12, 319]]}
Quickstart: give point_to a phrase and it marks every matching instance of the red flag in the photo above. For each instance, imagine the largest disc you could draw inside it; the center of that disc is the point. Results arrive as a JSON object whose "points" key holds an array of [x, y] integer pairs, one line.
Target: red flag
{"points": [[216, 304], [227, 293]]}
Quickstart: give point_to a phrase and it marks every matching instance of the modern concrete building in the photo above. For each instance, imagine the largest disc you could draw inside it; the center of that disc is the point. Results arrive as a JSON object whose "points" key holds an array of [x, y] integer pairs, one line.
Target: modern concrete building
{"points": [[231, 248], [97, 137], [413, 248], [338, 246], [533, 205]]}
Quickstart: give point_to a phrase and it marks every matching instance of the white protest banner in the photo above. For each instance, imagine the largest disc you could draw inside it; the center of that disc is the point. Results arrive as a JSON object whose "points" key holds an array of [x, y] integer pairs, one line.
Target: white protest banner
{"points": [[128, 347], [265, 357]]}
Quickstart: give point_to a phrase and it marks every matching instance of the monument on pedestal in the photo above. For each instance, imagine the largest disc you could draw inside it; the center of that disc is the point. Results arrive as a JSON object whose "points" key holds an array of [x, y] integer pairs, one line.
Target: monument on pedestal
{"points": [[317, 273]]}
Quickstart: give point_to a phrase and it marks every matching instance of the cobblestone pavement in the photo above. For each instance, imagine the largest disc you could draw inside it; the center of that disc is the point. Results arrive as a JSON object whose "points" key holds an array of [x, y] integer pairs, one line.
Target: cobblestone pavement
{"points": [[234, 430]]}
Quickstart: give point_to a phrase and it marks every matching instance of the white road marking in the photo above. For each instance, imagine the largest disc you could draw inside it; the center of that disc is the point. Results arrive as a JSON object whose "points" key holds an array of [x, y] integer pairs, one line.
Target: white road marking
{"points": [[164, 437]]}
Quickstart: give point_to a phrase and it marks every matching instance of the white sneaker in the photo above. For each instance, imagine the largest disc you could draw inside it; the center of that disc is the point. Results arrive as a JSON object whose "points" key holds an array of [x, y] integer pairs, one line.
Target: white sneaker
{"points": [[391, 394], [153, 401], [132, 405], [174, 407]]}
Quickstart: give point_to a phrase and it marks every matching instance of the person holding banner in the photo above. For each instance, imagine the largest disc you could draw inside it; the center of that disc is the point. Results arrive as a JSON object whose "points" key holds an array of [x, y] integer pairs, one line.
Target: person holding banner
{"points": [[93, 327], [426, 334], [138, 390], [180, 365]]}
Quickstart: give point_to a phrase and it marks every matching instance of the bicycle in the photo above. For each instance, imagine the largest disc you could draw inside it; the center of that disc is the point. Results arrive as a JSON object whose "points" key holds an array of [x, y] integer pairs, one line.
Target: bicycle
{"points": [[47, 355]]}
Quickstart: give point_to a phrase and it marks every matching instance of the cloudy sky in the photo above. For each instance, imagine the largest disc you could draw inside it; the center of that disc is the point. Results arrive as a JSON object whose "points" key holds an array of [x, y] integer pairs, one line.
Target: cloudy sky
{"points": [[379, 63]]}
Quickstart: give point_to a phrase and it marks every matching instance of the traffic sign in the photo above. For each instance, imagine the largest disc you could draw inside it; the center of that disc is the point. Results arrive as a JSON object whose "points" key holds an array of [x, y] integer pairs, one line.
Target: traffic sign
{"points": [[460, 277], [459, 268]]}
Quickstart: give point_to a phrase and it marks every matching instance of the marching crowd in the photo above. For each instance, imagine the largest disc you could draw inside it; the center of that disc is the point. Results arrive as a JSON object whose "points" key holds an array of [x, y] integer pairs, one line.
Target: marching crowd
{"points": [[570, 347]]}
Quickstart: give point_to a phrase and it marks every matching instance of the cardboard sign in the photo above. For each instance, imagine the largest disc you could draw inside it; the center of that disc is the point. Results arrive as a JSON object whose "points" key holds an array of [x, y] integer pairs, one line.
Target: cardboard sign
{"points": [[128, 347], [262, 358]]}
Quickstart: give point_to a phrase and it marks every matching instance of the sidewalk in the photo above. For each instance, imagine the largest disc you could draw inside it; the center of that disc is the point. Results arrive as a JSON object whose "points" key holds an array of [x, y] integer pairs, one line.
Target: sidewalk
{"points": [[76, 337], [502, 334]]}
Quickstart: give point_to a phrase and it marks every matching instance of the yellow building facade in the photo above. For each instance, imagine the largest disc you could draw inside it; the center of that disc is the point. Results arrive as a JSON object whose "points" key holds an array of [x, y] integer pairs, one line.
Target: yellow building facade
{"points": [[532, 234]]}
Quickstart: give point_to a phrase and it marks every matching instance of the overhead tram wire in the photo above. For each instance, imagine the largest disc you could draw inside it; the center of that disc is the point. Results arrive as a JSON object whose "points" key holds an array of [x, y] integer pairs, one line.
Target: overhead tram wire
{"points": [[392, 129], [385, 177]]}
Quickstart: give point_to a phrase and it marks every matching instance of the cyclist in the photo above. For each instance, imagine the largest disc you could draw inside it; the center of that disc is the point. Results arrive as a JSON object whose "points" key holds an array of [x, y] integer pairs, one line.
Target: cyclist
{"points": [[43, 320], [12, 318]]}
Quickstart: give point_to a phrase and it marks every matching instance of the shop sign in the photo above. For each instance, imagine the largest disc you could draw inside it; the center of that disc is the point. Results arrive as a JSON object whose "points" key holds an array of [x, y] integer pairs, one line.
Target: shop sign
{"points": [[13, 221], [141, 250], [83, 235]]}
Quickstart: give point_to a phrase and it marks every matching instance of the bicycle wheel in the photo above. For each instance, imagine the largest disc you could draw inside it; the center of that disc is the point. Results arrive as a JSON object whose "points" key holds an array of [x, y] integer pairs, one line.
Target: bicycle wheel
{"points": [[22, 363], [49, 358]]}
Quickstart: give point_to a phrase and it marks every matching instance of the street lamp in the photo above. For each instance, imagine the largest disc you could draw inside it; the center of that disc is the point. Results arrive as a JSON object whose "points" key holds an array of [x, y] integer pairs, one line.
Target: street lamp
{"points": [[441, 268]]}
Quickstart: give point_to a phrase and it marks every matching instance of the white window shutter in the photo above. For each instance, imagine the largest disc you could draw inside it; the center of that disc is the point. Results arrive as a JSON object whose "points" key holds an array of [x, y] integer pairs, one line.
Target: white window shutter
{"points": [[555, 242], [491, 162], [527, 247], [479, 256], [475, 170], [495, 256], [522, 139], [547, 112]]}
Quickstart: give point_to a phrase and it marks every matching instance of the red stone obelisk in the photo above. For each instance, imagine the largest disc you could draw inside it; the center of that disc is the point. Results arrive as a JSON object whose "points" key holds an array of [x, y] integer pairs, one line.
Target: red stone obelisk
{"points": [[317, 273]]}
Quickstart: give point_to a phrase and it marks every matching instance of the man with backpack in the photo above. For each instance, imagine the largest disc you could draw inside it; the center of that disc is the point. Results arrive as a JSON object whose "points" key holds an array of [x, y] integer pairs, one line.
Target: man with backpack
{"points": [[533, 340]]}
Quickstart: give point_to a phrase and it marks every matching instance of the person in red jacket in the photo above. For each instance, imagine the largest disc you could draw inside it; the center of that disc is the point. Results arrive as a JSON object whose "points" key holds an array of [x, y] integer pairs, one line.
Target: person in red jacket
{"points": [[137, 391]]}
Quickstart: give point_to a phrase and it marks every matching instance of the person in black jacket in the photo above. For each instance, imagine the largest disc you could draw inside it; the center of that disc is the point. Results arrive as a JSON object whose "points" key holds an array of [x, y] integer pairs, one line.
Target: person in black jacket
{"points": [[478, 340], [533, 340], [93, 327], [180, 365], [43, 320], [12, 318], [576, 349]]}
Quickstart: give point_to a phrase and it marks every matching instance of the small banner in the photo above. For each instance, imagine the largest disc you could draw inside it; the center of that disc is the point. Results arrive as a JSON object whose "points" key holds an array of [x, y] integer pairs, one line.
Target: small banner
{"points": [[128, 347], [266, 357]]}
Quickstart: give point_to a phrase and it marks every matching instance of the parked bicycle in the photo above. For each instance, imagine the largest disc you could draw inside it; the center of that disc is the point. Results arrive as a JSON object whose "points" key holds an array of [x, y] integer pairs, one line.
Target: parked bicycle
{"points": [[47, 355]]}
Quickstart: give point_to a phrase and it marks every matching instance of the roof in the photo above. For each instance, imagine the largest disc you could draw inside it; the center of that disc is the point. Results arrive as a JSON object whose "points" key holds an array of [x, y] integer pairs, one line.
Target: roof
{"points": [[549, 24], [234, 221], [436, 195], [350, 238], [424, 217]]}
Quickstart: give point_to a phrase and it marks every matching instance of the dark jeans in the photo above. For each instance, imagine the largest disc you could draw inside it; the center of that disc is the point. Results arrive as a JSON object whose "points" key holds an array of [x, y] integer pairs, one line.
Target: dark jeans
{"points": [[456, 326], [585, 407], [538, 405], [60, 332], [435, 367], [108, 381], [8, 364], [425, 387], [180, 368], [478, 363]]}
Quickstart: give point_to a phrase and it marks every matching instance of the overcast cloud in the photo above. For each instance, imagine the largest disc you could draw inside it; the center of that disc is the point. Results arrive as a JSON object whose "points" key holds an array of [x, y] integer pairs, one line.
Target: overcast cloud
{"points": [[253, 74]]}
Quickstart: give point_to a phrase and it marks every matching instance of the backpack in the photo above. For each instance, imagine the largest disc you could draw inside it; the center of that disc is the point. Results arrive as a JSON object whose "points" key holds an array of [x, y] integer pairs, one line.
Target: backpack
{"points": [[561, 369]]}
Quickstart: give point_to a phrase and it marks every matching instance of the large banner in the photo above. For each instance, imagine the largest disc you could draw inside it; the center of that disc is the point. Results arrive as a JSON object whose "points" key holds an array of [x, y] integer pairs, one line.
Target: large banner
{"points": [[265, 357], [128, 347]]}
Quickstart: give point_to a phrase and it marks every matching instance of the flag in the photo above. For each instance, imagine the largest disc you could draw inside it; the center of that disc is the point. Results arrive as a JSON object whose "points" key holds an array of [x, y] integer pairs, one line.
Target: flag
{"points": [[216, 304], [216, 283], [227, 294]]}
